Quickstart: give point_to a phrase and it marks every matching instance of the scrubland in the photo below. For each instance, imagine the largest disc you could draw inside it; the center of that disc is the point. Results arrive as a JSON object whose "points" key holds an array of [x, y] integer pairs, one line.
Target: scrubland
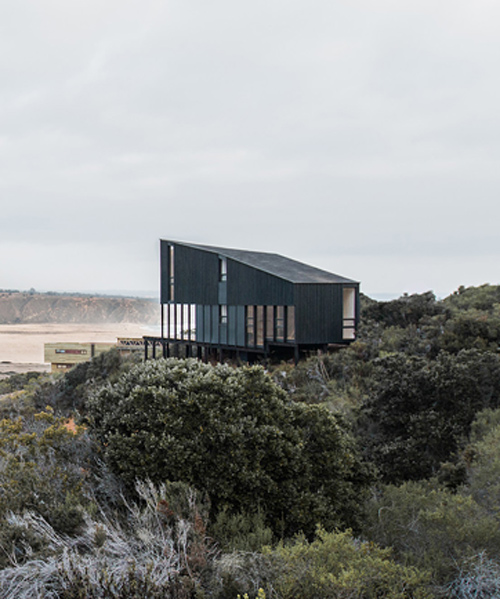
{"points": [[372, 472]]}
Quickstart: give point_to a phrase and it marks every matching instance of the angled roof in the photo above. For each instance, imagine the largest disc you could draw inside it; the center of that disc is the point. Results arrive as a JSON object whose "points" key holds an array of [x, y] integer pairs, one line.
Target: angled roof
{"points": [[274, 264]]}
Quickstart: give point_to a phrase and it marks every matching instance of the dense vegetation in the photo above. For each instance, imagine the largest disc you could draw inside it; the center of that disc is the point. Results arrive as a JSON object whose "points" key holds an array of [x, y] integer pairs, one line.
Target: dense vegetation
{"points": [[372, 472]]}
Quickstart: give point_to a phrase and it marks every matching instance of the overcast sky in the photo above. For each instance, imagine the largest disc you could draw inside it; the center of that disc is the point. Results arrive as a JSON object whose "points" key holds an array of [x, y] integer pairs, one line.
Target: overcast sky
{"points": [[362, 137]]}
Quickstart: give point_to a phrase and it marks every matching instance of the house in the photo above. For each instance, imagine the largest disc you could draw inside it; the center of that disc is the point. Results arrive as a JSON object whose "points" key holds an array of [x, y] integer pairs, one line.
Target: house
{"points": [[244, 304]]}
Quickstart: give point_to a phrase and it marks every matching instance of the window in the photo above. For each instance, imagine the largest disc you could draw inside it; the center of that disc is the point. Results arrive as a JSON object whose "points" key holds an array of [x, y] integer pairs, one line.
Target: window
{"points": [[270, 323], [250, 325], [290, 323], [260, 326], [222, 269], [280, 323], [171, 273], [223, 314], [349, 313]]}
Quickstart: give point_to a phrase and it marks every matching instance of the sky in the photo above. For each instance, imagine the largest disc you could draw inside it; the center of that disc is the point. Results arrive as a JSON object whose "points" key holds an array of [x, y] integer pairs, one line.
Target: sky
{"points": [[361, 137]]}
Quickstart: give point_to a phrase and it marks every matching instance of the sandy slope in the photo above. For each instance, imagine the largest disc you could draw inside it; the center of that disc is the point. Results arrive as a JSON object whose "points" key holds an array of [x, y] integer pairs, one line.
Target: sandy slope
{"points": [[21, 345]]}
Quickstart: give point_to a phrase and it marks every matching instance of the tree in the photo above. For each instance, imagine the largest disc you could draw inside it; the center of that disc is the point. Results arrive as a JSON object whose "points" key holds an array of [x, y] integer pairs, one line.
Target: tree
{"points": [[233, 434]]}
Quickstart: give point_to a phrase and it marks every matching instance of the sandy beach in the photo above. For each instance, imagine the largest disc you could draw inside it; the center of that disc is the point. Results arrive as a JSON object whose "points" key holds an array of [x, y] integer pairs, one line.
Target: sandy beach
{"points": [[21, 345]]}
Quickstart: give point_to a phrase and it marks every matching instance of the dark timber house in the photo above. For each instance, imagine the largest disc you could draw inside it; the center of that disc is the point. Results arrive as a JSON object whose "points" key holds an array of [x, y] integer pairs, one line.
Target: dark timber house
{"points": [[219, 302]]}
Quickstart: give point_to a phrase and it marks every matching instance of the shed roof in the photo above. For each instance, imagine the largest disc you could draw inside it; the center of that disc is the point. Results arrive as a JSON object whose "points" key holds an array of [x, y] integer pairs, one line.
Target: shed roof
{"points": [[274, 264]]}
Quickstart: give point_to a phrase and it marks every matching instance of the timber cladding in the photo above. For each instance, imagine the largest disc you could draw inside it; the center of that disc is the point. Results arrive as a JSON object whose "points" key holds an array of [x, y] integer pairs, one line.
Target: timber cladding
{"points": [[252, 300]]}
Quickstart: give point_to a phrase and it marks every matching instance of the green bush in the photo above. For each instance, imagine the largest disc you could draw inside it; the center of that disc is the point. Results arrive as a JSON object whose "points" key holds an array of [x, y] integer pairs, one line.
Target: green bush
{"points": [[42, 470], [419, 413], [337, 566], [241, 531], [232, 433], [432, 528]]}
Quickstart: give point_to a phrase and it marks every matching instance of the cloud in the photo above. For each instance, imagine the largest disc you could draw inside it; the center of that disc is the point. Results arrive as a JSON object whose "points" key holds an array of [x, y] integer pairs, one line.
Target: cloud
{"points": [[318, 129]]}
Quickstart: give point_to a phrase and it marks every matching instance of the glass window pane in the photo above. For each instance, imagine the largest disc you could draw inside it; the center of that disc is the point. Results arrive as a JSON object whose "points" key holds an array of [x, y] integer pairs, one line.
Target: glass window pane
{"points": [[270, 323], [349, 302], [260, 326], [348, 334], [171, 272], [222, 269], [280, 323], [290, 323], [250, 322]]}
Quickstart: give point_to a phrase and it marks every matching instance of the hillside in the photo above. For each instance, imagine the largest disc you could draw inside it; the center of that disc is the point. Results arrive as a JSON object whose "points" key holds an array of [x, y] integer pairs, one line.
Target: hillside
{"points": [[40, 308]]}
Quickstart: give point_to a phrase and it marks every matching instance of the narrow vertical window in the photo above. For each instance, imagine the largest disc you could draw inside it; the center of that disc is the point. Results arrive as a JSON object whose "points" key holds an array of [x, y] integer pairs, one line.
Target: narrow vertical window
{"points": [[280, 323], [171, 273], [192, 322], [250, 325], [223, 314], [222, 269], [349, 313], [260, 326], [290, 323], [270, 323]]}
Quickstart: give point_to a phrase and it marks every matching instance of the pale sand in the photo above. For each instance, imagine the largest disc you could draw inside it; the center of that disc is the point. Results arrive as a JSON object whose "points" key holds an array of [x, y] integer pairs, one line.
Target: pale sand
{"points": [[21, 345]]}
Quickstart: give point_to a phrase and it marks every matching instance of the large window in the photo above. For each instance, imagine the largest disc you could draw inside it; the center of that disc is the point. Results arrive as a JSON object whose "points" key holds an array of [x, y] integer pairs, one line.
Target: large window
{"points": [[349, 313]]}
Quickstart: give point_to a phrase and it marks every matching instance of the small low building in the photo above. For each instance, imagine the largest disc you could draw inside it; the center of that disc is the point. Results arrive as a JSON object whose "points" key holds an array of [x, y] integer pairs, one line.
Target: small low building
{"points": [[245, 304], [63, 356]]}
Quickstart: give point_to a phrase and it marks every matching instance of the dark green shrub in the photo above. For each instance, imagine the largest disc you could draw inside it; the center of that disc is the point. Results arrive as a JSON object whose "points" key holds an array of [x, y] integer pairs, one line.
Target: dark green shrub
{"points": [[232, 433]]}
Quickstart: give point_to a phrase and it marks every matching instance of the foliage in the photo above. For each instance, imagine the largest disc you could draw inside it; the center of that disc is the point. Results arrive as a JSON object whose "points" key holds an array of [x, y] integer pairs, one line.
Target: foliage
{"points": [[420, 412], [420, 325], [69, 393], [402, 312], [41, 469], [479, 579], [232, 434], [338, 379], [241, 531], [483, 460], [157, 554], [18, 382], [432, 528], [336, 565], [17, 393], [484, 297]]}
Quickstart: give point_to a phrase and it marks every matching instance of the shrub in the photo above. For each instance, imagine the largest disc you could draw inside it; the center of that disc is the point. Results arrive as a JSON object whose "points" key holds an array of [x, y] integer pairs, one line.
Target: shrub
{"points": [[334, 566], [231, 433], [41, 470], [420, 412], [432, 528], [158, 553]]}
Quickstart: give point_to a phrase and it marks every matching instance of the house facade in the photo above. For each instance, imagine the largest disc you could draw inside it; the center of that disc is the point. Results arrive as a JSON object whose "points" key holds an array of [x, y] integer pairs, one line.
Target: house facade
{"points": [[250, 303]]}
